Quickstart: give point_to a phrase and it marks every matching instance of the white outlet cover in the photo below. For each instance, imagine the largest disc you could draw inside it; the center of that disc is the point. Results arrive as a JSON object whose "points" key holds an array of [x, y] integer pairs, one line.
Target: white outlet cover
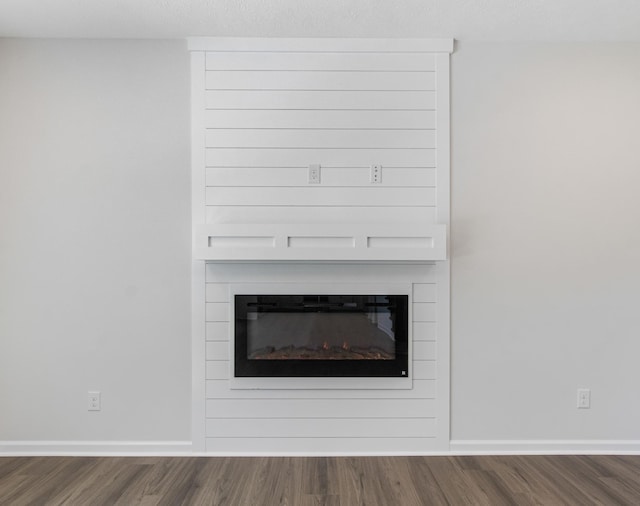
{"points": [[314, 174], [584, 398], [93, 400]]}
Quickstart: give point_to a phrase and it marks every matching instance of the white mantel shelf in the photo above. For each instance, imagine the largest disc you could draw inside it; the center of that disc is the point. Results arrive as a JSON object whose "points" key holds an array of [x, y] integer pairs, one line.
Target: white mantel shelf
{"points": [[329, 242]]}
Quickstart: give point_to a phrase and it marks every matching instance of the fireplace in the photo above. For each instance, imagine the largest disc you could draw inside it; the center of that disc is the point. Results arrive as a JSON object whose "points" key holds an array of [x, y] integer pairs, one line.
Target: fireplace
{"points": [[321, 335]]}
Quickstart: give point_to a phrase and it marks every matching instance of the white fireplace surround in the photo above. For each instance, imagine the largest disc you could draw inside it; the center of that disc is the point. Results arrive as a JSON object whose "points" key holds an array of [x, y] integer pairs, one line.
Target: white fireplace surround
{"points": [[264, 111], [288, 416]]}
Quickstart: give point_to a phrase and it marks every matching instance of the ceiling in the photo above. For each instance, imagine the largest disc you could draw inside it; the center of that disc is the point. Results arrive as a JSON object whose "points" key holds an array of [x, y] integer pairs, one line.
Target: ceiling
{"points": [[478, 20]]}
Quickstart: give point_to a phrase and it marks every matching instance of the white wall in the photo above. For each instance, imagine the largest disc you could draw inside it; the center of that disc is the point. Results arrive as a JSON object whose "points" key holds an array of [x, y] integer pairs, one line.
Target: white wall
{"points": [[95, 240], [546, 240]]}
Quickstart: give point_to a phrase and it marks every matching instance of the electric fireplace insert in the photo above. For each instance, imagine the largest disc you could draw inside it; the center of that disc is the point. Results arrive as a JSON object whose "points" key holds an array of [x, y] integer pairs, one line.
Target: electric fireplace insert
{"points": [[321, 336]]}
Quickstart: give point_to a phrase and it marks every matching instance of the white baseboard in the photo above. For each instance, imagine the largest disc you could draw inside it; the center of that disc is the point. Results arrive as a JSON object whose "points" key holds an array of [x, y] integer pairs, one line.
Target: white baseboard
{"points": [[186, 448], [95, 448], [545, 447]]}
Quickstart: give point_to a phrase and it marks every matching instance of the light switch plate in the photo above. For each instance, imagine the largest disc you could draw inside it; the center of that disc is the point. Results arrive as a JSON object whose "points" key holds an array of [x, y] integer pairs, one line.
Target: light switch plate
{"points": [[376, 174]]}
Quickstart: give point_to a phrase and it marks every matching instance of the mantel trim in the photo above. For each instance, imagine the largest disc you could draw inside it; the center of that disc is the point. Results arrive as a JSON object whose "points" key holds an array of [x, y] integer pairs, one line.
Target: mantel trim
{"points": [[324, 242]]}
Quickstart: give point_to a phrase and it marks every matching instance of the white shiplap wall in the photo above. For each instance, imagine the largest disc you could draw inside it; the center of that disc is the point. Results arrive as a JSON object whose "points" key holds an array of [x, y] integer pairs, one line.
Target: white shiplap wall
{"points": [[322, 420], [263, 111], [269, 114]]}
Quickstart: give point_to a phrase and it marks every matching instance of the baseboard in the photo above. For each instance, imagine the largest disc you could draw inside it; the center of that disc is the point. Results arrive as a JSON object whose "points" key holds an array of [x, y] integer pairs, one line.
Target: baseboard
{"points": [[186, 448], [96, 448], [545, 447]]}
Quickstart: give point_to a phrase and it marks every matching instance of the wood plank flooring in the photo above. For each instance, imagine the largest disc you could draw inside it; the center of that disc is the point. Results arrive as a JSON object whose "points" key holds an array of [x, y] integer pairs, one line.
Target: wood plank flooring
{"points": [[330, 481]]}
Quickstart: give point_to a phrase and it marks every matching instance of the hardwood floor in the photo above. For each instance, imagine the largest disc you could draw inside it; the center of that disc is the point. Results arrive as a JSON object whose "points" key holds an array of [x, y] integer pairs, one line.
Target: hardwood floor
{"points": [[384, 481]]}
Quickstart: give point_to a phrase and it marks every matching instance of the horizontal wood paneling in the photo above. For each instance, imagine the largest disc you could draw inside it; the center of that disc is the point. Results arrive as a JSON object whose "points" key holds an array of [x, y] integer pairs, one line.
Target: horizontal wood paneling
{"points": [[319, 138], [283, 157], [342, 197], [219, 370], [336, 214], [424, 292], [220, 350], [320, 408], [424, 312], [321, 428], [365, 119], [335, 445], [330, 177], [269, 115], [424, 370], [217, 312], [423, 350], [217, 292], [332, 275], [313, 100], [349, 61], [217, 331], [424, 331], [422, 389], [318, 80]]}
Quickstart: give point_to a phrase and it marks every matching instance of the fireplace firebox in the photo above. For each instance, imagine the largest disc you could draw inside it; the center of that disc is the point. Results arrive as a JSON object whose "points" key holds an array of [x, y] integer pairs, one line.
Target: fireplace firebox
{"points": [[321, 336]]}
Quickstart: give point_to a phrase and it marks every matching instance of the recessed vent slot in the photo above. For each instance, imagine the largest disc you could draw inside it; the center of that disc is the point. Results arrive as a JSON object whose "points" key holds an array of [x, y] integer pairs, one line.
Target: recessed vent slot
{"points": [[400, 242], [320, 242], [241, 242]]}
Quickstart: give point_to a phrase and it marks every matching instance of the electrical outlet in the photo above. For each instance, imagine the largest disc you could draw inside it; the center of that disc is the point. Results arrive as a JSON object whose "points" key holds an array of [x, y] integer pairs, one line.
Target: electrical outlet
{"points": [[314, 174], [375, 174], [94, 401], [584, 398]]}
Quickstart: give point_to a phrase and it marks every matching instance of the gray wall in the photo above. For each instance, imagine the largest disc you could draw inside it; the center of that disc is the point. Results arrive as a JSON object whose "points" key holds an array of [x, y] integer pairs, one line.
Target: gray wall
{"points": [[95, 240], [546, 240]]}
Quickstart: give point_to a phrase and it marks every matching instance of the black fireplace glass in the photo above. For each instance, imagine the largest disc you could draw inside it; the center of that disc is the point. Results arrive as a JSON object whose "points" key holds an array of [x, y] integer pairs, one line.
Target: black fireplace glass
{"points": [[321, 335]]}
